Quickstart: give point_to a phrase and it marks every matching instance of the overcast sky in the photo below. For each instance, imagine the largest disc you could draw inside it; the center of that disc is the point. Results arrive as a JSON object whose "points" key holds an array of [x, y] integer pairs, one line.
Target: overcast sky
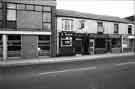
{"points": [[120, 8]]}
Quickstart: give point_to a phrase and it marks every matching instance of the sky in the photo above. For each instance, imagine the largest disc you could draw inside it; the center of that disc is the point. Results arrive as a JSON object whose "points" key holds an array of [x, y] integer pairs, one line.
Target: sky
{"points": [[119, 8]]}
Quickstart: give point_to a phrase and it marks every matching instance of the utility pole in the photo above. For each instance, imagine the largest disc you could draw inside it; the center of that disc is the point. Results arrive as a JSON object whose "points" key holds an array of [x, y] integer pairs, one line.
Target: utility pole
{"points": [[134, 25]]}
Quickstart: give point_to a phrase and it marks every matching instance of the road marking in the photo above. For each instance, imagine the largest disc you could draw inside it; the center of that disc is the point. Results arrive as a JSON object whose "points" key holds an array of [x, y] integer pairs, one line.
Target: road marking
{"points": [[69, 70], [125, 63]]}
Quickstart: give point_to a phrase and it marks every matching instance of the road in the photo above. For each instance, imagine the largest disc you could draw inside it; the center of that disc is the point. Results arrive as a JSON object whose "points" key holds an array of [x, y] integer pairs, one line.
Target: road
{"points": [[107, 73]]}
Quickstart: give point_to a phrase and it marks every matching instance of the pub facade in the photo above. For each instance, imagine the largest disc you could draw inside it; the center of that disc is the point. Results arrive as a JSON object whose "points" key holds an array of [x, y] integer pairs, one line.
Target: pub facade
{"points": [[84, 33]]}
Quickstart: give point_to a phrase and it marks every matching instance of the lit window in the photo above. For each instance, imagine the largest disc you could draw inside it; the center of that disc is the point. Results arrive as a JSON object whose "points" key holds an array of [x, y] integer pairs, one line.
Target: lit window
{"points": [[100, 27], [11, 15], [116, 28], [67, 24], [29, 7], [21, 6], [38, 8], [11, 6], [47, 27], [66, 41], [46, 8], [129, 29], [46, 17]]}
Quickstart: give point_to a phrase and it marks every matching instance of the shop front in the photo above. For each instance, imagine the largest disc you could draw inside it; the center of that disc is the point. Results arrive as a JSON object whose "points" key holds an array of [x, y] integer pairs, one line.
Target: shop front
{"points": [[99, 43], [71, 43], [115, 40]]}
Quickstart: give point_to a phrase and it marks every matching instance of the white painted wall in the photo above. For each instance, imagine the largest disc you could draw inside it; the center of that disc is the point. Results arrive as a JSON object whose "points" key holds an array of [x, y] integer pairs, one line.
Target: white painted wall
{"points": [[123, 28], [91, 26]]}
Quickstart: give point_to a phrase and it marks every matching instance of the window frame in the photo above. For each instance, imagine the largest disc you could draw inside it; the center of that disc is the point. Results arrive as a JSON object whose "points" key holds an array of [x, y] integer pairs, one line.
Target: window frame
{"points": [[64, 25], [116, 29], [131, 29], [98, 27]]}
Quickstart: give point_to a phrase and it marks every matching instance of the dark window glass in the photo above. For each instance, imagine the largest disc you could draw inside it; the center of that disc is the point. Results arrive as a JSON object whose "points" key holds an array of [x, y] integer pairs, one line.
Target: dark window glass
{"points": [[100, 43], [46, 17], [44, 45], [47, 27], [100, 27], [14, 45], [21, 6], [11, 24], [116, 28], [129, 29]]}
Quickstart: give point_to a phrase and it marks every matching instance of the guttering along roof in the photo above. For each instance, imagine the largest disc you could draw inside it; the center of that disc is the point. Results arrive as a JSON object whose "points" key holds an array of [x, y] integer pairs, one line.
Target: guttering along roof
{"points": [[75, 14]]}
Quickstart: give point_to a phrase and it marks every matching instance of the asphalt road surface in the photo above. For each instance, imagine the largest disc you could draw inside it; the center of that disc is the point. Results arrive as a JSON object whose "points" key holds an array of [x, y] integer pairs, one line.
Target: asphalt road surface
{"points": [[107, 73]]}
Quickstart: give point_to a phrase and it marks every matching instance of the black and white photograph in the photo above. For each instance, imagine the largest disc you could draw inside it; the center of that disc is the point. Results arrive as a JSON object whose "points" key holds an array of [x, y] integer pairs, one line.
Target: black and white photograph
{"points": [[67, 44]]}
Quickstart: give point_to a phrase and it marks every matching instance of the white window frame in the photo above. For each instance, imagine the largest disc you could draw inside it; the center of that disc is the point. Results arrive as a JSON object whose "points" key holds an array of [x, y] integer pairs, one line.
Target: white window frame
{"points": [[65, 26], [99, 28]]}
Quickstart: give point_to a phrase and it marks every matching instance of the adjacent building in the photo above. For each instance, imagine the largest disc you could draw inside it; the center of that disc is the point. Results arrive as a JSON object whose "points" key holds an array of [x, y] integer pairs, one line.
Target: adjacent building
{"points": [[83, 33], [27, 28]]}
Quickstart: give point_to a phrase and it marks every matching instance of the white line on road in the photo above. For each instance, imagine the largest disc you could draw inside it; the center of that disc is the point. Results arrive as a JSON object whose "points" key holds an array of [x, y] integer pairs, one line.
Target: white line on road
{"points": [[69, 70], [83, 69]]}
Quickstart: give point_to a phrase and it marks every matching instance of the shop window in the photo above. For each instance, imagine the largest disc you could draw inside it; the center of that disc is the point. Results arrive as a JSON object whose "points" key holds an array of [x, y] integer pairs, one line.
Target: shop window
{"points": [[44, 45], [38, 8], [46, 17], [99, 43], [67, 24], [66, 41], [47, 27], [116, 43], [116, 28], [46, 8], [100, 28], [82, 24], [21, 6], [1, 47], [14, 45], [129, 29]]}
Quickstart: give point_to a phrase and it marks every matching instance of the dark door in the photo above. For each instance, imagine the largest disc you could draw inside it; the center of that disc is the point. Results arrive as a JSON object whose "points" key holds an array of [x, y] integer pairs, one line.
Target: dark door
{"points": [[78, 46]]}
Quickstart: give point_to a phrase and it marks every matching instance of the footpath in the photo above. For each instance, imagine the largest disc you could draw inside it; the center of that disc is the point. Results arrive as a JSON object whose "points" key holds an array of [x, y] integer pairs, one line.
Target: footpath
{"points": [[45, 60]]}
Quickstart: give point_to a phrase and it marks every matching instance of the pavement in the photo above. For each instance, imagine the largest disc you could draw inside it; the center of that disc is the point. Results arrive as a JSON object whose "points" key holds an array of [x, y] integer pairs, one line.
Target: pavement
{"points": [[22, 62]]}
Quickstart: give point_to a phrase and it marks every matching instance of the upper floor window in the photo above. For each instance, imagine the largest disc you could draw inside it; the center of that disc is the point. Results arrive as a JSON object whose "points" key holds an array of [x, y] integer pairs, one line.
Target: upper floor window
{"points": [[11, 16], [82, 24], [129, 29], [0, 15], [46, 8], [29, 7], [116, 28], [100, 28], [67, 24]]}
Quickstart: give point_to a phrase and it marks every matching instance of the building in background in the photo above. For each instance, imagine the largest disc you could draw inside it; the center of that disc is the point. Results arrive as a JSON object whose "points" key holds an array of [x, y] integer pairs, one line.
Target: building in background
{"points": [[27, 28], [83, 33]]}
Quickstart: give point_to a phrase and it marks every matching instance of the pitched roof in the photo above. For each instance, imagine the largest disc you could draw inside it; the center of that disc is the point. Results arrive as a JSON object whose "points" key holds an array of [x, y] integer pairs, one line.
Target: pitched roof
{"points": [[75, 14]]}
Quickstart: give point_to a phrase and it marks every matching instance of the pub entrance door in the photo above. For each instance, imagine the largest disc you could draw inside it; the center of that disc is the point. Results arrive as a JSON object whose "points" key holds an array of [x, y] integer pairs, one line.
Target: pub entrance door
{"points": [[78, 46]]}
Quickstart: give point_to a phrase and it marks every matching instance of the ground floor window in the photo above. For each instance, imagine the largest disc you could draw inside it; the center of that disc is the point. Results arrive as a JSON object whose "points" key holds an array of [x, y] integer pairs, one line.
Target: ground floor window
{"points": [[1, 47], [100, 43], [44, 45], [14, 45], [116, 43]]}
